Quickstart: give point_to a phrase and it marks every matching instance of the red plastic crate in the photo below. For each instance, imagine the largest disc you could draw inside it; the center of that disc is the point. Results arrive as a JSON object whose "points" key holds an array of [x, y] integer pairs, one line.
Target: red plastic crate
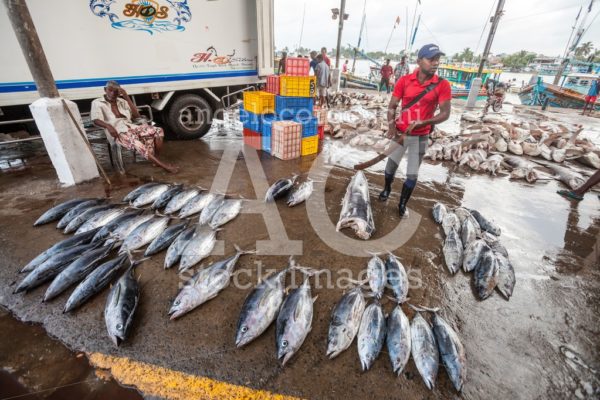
{"points": [[286, 139], [296, 66], [321, 132], [252, 139], [321, 114], [273, 84]]}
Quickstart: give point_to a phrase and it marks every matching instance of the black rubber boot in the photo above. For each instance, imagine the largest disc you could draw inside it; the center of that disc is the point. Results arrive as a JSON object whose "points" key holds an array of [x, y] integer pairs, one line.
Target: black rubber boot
{"points": [[405, 195], [387, 189]]}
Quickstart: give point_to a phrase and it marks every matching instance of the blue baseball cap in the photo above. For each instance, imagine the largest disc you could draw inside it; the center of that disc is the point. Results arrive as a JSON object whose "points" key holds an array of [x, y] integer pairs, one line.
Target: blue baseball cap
{"points": [[430, 51]]}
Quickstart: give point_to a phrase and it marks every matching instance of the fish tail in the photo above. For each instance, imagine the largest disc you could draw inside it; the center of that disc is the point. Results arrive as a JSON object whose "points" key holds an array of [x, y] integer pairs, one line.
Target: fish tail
{"points": [[423, 308]]}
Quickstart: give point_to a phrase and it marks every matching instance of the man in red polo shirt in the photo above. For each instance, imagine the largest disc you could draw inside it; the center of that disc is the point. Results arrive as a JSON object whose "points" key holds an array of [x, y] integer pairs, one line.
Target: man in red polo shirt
{"points": [[325, 58], [386, 72], [411, 128]]}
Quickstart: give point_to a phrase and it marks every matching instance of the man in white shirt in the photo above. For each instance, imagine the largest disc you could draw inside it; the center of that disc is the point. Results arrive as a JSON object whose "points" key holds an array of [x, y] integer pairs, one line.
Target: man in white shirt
{"points": [[323, 80]]}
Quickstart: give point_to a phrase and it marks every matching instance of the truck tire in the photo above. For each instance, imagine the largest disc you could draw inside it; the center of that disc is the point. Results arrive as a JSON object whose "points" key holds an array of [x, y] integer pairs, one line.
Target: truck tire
{"points": [[189, 117]]}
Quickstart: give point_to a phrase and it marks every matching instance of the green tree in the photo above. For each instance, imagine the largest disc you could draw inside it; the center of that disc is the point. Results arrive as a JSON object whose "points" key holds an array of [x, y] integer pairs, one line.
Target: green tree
{"points": [[583, 50]]}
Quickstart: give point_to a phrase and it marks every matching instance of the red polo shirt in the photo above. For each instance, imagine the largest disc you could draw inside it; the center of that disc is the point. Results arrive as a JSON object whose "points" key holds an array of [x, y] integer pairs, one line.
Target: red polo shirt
{"points": [[327, 60], [407, 88]]}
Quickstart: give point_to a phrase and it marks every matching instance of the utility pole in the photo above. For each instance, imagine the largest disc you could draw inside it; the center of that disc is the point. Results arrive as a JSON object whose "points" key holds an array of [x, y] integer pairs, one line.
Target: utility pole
{"points": [[67, 149], [340, 29], [476, 83], [580, 31]]}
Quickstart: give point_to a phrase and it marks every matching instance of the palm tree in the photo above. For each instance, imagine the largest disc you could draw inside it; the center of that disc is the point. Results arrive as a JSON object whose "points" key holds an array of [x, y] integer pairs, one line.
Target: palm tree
{"points": [[467, 55], [583, 50]]}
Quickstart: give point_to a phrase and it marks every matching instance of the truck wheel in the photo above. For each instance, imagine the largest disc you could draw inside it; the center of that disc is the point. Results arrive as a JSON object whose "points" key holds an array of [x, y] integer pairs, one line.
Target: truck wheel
{"points": [[189, 117]]}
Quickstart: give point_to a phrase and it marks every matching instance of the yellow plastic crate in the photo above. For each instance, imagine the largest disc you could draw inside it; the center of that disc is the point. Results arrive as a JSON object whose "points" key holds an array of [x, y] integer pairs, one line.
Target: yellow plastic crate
{"points": [[297, 86], [259, 102], [310, 145]]}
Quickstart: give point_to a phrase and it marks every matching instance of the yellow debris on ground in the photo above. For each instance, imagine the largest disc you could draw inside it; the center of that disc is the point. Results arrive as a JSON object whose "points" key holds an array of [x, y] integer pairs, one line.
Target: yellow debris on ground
{"points": [[153, 380]]}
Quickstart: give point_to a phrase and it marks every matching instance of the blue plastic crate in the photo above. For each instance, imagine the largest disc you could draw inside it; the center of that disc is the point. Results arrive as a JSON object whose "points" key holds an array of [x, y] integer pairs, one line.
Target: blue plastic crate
{"points": [[309, 125], [253, 121], [288, 108], [266, 132]]}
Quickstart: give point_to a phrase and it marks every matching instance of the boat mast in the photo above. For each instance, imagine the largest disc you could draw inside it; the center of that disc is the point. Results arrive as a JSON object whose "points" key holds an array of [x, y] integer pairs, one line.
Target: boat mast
{"points": [[362, 26], [574, 44]]}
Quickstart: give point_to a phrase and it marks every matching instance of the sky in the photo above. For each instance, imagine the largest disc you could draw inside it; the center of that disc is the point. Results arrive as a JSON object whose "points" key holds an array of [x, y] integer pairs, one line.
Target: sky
{"points": [[541, 26]]}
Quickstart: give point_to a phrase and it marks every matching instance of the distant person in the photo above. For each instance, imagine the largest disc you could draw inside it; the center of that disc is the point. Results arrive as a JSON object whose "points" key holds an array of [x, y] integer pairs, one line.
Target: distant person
{"points": [[345, 67], [325, 58], [281, 68], [313, 61], [386, 72], [592, 96], [323, 80], [401, 69], [578, 193], [116, 112]]}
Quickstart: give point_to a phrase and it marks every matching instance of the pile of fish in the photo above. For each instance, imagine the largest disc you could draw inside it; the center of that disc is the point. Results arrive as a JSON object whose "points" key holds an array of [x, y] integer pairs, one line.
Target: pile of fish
{"points": [[356, 208], [472, 242], [493, 144], [106, 235]]}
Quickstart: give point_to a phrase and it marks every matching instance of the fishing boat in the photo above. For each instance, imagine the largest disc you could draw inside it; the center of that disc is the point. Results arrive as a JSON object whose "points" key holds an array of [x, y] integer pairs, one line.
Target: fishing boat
{"points": [[460, 78], [571, 94]]}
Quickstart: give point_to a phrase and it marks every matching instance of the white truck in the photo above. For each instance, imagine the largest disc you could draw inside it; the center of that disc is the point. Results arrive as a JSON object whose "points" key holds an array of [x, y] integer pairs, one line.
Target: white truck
{"points": [[181, 58]]}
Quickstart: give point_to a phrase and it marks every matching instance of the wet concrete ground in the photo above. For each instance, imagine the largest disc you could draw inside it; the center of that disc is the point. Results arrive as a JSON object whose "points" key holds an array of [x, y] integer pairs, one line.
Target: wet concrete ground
{"points": [[543, 343]]}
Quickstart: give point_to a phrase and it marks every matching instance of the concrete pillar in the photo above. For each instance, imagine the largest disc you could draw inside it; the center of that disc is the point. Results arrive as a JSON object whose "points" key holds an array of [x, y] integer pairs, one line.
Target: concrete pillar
{"points": [[69, 154], [473, 93], [335, 79]]}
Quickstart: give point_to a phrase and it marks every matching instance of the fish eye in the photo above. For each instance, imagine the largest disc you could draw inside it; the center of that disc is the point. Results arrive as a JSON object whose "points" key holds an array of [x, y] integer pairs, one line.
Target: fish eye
{"points": [[284, 343], [119, 326], [244, 329], [177, 302]]}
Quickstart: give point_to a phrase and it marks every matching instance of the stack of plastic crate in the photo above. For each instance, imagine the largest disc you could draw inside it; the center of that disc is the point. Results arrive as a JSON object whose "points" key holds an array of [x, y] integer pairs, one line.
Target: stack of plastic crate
{"points": [[286, 139], [297, 66], [321, 114], [257, 107]]}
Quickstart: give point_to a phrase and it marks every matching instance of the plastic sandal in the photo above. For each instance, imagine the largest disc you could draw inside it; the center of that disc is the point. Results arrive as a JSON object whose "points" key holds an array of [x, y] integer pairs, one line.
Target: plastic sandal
{"points": [[569, 194]]}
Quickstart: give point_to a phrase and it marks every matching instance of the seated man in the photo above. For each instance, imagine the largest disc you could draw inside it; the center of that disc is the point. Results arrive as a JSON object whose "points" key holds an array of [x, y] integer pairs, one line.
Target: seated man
{"points": [[114, 112]]}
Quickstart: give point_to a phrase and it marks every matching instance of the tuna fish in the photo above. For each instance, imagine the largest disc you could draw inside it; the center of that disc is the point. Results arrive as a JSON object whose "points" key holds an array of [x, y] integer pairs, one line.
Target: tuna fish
{"points": [[424, 350], [176, 248], [590, 159], [53, 266], [144, 234], [492, 164], [486, 275], [280, 188], [397, 278], [121, 305], [439, 212], [164, 198], [69, 242], [294, 322], [209, 211], [165, 239], [486, 224], [95, 282], [77, 210], [345, 321], [58, 211], [371, 335], [376, 276], [100, 219], [260, 308], [468, 232], [109, 228], [450, 222], [356, 208], [178, 201], [473, 253], [198, 248], [300, 193], [453, 251], [567, 176], [451, 351], [205, 285], [150, 195], [86, 215], [506, 276], [131, 196], [196, 204], [398, 339], [494, 244], [225, 213], [123, 230], [76, 271]]}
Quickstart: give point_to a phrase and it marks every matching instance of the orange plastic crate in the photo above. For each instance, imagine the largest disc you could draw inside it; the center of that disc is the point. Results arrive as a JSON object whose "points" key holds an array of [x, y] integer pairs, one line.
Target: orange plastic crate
{"points": [[273, 84], [310, 145], [286, 139], [296, 66], [252, 139], [259, 102], [297, 86]]}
